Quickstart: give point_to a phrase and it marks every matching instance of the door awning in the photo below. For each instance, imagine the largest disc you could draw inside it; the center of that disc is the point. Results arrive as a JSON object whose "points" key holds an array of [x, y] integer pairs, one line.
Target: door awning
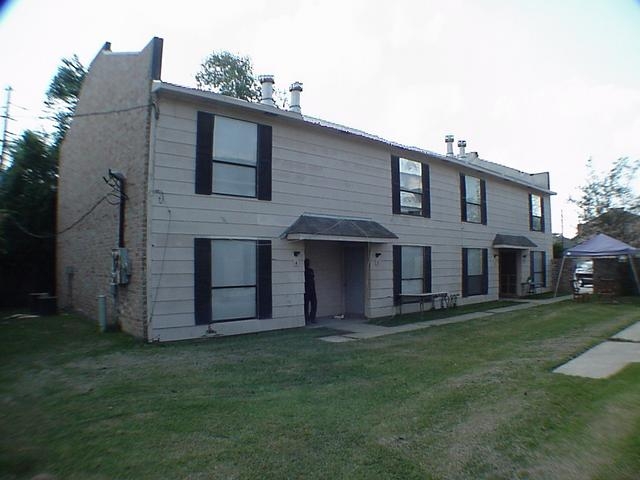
{"points": [[517, 242], [340, 229]]}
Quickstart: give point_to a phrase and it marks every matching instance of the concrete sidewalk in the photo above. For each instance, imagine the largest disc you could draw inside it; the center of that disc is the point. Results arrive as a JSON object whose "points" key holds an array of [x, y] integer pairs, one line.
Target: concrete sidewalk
{"points": [[360, 330], [607, 358]]}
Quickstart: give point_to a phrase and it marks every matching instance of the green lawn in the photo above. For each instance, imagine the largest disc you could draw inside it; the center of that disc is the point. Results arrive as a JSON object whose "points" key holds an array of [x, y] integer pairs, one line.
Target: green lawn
{"points": [[468, 400]]}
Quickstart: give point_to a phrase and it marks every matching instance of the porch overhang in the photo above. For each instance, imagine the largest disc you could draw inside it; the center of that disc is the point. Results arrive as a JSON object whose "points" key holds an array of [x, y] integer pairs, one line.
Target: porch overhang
{"points": [[514, 242], [338, 229]]}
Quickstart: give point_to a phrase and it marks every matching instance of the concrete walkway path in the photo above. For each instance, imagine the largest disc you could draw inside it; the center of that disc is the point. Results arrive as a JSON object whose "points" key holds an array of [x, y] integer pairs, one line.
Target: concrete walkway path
{"points": [[360, 330], [608, 358]]}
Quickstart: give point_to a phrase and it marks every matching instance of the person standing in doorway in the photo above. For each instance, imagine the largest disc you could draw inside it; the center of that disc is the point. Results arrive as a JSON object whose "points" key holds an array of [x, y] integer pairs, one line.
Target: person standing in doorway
{"points": [[310, 299]]}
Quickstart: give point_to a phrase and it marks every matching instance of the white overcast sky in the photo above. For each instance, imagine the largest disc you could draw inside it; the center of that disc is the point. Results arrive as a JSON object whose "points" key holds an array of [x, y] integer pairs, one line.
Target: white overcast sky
{"points": [[538, 85]]}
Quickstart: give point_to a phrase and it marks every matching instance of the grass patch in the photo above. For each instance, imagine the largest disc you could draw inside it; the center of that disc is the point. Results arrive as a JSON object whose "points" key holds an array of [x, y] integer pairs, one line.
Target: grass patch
{"points": [[440, 313], [544, 296], [467, 400]]}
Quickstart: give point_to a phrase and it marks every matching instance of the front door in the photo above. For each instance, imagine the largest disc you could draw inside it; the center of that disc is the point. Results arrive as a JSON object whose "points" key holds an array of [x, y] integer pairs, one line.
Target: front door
{"points": [[508, 273], [354, 280]]}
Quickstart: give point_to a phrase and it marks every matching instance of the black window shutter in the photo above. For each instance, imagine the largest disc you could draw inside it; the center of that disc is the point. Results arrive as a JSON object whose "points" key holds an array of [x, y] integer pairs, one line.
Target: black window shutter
{"points": [[397, 274], [465, 269], [541, 213], [395, 184], [483, 201], [426, 265], [202, 280], [485, 271], [426, 194], [544, 269], [204, 153], [263, 181], [463, 199], [530, 211], [263, 260]]}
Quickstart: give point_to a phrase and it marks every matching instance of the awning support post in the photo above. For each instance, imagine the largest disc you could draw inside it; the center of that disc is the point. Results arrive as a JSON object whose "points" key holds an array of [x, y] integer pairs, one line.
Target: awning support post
{"points": [[555, 293]]}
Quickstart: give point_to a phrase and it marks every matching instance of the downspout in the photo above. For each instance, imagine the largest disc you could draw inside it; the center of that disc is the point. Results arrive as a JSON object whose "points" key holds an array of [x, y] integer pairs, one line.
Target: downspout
{"points": [[121, 185], [150, 297]]}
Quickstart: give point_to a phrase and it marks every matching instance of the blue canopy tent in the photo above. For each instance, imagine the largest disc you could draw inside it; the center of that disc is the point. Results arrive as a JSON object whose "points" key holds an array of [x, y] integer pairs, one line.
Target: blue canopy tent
{"points": [[601, 245]]}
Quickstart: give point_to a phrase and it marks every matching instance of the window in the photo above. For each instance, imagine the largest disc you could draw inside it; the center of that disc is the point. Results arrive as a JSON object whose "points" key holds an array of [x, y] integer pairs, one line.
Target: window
{"points": [[473, 199], [474, 272], [235, 149], [539, 268], [410, 187], [411, 270], [233, 157], [232, 280], [536, 215]]}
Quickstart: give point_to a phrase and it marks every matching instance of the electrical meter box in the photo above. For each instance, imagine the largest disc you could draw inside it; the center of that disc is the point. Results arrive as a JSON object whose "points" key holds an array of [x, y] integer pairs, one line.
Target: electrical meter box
{"points": [[120, 267]]}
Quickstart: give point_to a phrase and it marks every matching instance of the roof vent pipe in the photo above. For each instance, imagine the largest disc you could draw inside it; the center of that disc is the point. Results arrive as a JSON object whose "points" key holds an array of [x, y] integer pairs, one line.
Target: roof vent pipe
{"points": [[295, 89], [449, 141], [267, 81], [462, 144]]}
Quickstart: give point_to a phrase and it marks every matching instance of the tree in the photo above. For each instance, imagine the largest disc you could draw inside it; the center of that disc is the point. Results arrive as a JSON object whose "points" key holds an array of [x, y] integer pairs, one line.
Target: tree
{"points": [[28, 195], [229, 74], [62, 96], [612, 191], [608, 203], [27, 219]]}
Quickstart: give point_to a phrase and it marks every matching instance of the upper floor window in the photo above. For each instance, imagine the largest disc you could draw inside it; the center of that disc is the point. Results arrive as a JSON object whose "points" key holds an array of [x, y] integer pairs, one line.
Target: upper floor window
{"points": [[536, 213], [410, 187], [233, 157], [473, 199], [235, 152]]}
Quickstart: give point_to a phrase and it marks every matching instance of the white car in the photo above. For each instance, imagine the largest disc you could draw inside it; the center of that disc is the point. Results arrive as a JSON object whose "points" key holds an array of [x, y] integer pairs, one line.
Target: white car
{"points": [[583, 274]]}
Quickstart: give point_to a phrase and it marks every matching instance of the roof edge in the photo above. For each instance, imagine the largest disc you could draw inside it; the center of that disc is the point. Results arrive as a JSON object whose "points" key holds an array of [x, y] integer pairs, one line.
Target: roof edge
{"points": [[194, 93]]}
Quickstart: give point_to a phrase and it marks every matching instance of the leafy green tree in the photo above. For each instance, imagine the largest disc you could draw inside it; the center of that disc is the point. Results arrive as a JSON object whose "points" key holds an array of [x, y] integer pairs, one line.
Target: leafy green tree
{"points": [[608, 203], [62, 96], [612, 190], [229, 74], [28, 195], [27, 219]]}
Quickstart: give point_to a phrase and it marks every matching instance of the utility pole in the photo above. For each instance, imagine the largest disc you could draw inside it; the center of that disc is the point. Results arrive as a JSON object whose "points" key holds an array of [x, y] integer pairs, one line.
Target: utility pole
{"points": [[4, 129]]}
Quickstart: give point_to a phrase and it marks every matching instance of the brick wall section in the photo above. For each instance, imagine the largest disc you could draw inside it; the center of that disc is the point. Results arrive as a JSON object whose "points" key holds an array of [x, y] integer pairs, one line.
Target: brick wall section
{"points": [[97, 141], [608, 275], [565, 285], [611, 275]]}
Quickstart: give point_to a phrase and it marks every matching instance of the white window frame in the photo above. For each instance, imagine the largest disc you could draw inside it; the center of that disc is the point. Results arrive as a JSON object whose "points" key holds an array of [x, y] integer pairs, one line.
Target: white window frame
{"points": [[404, 208], [227, 288], [237, 163]]}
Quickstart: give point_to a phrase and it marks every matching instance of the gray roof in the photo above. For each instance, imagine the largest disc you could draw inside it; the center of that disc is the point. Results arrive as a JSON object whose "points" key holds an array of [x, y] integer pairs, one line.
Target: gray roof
{"points": [[308, 226], [512, 241], [601, 245], [470, 162]]}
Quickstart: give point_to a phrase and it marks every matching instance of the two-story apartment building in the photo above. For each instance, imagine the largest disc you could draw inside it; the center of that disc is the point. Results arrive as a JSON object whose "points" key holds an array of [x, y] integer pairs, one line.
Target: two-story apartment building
{"points": [[194, 212]]}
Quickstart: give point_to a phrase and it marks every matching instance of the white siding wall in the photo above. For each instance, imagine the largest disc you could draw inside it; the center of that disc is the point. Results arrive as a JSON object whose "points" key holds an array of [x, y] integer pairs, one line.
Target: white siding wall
{"points": [[314, 171]]}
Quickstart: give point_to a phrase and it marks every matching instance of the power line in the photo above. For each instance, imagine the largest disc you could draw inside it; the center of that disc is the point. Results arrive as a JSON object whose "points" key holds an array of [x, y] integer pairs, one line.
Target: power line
{"points": [[108, 112], [114, 191]]}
